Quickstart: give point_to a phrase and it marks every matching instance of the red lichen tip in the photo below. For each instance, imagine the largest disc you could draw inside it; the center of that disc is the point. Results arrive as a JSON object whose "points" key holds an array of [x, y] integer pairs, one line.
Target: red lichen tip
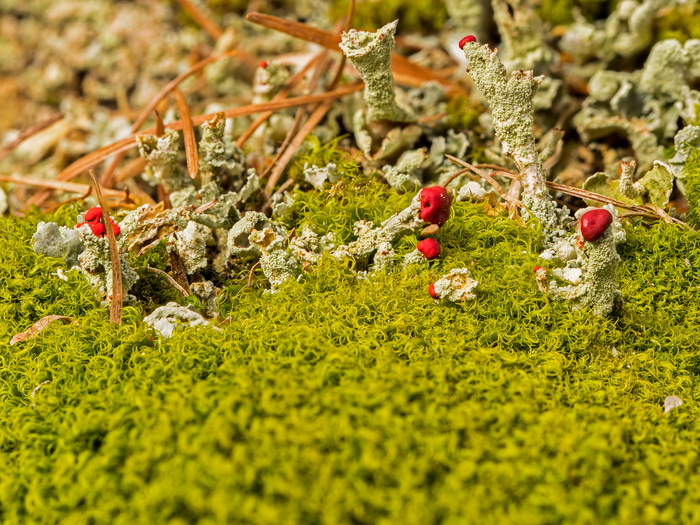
{"points": [[435, 205], [466, 40], [432, 292], [93, 214], [263, 64], [115, 227], [430, 248], [594, 223]]}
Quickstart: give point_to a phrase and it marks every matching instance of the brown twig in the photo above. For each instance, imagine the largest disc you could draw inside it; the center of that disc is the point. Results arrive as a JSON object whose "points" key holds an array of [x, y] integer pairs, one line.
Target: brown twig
{"points": [[203, 19], [191, 152], [32, 130], [115, 305], [72, 187]]}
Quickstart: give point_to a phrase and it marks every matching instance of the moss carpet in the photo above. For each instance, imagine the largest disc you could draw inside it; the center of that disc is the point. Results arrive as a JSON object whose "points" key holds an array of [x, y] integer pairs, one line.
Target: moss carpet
{"points": [[343, 400]]}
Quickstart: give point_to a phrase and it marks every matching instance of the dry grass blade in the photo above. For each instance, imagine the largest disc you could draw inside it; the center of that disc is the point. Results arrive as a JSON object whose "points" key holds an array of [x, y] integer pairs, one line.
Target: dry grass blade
{"points": [[37, 327], [405, 71], [191, 152], [72, 187], [92, 159], [115, 305], [33, 130], [204, 20], [170, 280]]}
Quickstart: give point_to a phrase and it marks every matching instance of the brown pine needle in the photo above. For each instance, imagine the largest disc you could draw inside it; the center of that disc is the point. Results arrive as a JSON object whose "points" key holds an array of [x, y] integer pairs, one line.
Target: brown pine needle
{"points": [[405, 71], [37, 327], [30, 131], [191, 151], [170, 280], [71, 187], [117, 299], [202, 18]]}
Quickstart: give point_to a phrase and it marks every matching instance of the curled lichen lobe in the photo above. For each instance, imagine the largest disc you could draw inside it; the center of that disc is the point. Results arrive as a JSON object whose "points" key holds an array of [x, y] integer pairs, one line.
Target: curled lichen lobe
{"points": [[435, 205], [594, 223]]}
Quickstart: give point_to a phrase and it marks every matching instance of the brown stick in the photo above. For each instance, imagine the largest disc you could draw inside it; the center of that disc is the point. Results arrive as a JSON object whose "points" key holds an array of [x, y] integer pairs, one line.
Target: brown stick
{"points": [[191, 152], [204, 20], [115, 305]]}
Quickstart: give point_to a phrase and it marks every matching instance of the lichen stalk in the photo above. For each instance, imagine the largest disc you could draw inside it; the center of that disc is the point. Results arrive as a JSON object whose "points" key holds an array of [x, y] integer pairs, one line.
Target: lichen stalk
{"points": [[510, 99]]}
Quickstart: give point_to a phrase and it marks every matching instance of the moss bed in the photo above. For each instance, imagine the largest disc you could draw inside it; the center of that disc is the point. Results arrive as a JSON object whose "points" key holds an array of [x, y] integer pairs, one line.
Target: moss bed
{"points": [[344, 400]]}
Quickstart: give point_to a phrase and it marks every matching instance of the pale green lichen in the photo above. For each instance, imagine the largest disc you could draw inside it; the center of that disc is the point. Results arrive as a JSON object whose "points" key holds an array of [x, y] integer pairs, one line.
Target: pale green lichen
{"points": [[219, 158], [162, 154], [278, 263], [404, 176], [318, 176], [370, 54], [654, 187], [456, 286]]}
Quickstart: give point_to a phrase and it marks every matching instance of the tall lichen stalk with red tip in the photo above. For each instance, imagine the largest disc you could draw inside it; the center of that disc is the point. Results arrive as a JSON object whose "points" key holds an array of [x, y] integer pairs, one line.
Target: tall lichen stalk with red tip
{"points": [[510, 99]]}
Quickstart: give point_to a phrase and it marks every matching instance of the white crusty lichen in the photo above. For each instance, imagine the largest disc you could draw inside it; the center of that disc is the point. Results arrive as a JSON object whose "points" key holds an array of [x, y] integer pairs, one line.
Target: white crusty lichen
{"points": [[318, 176], [510, 100], [370, 54], [166, 319], [591, 278], [455, 286], [53, 240]]}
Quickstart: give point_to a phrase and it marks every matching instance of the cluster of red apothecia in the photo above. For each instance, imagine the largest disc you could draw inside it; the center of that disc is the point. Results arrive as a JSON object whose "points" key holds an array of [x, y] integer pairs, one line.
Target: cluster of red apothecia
{"points": [[435, 205], [93, 218]]}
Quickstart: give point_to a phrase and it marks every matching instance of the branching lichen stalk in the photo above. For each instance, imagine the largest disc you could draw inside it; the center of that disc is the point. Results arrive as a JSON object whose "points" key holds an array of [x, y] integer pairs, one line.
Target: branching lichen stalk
{"points": [[510, 99]]}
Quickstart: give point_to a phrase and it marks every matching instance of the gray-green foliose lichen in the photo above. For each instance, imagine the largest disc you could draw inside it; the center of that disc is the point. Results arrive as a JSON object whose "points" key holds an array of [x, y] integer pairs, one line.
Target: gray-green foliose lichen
{"points": [[455, 286], [166, 319], [370, 54]]}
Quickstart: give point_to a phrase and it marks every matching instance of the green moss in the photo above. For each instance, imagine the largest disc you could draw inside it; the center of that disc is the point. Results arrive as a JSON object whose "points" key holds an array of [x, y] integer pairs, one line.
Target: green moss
{"points": [[691, 172], [314, 153], [681, 23], [343, 400], [462, 112], [562, 11], [422, 16]]}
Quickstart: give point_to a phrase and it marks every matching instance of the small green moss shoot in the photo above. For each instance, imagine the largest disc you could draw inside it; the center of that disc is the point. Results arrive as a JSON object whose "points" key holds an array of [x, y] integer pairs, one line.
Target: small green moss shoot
{"points": [[343, 400], [681, 23]]}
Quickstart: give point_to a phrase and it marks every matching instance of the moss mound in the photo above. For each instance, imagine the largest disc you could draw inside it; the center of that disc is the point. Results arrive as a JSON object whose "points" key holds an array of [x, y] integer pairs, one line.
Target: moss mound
{"points": [[344, 400]]}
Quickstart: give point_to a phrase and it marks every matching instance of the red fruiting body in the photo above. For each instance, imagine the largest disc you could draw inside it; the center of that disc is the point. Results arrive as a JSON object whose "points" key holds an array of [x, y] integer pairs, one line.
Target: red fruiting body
{"points": [[97, 228], [93, 214], [263, 64], [541, 273], [466, 40], [594, 223], [430, 248], [435, 205], [431, 291], [115, 227]]}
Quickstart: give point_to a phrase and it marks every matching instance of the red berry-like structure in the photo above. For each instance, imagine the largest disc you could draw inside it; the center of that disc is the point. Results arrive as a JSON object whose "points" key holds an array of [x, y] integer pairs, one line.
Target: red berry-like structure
{"points": [[435, 205], [466, 40], [430, 248], [431, 291], [594, 223], [93, 218], [93, 214]]}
